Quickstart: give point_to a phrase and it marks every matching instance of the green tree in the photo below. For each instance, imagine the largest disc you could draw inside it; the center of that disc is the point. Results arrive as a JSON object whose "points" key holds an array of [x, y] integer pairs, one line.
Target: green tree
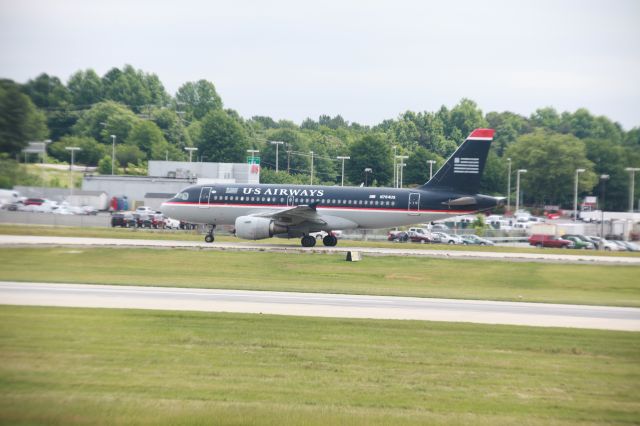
{"points": [[144, 135], [370, 152], [133, 88], [20, 121], [222, 139], [128, 154], [197, 99], [172, 127], [90, 154], [551, 160], [281, 177], [47, 91], [105, 119], [104, 166], [417, 169], [85, 88]]}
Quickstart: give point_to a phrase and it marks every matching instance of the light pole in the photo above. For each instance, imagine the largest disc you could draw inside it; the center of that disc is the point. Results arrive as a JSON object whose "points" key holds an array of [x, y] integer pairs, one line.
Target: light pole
{"points": [[632, 178], [395, 178], [288, 158], [367, 170], [431, 163], [575, 195], [509, 185], [113, 152], [276, 143], [518, 187], [603, 182], [190, 149], [401, 167], [73, 149], [343, 158], [311, 152]]}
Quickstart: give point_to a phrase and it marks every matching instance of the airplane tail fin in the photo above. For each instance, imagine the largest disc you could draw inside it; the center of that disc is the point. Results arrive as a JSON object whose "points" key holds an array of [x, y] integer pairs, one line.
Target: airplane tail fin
{"points": [[462, 171]]}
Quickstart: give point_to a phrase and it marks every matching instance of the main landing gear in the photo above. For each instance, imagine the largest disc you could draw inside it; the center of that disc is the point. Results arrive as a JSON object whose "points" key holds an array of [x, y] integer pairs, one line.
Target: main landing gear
{"points": [[210, 237], [329, 241]]}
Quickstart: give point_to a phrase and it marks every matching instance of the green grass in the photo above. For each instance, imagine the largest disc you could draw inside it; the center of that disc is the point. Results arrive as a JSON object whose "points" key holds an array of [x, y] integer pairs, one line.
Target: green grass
{"points": [[400, 276], [151, 234], [91, 366]]}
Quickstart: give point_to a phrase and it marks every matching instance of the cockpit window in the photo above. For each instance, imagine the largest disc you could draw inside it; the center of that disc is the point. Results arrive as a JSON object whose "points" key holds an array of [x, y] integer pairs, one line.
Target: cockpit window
{"points": [[182, 196]]}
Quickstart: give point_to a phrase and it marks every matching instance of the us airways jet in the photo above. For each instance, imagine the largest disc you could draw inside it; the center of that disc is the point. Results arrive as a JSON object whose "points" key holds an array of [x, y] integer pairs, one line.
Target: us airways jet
{"points": [[295, 211]]}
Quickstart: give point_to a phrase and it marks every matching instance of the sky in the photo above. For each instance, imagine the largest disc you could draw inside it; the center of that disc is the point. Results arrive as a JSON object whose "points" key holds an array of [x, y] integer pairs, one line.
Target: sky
{"points": [[365, 60]]}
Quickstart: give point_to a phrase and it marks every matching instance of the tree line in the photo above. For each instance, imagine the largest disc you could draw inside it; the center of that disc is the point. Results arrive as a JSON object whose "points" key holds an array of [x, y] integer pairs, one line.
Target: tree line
{"points": [[133, 107]]}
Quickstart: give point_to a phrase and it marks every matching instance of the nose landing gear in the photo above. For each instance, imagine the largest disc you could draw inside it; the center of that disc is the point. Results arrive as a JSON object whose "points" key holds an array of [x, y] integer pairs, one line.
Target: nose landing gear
{"points": [[209, 238]]}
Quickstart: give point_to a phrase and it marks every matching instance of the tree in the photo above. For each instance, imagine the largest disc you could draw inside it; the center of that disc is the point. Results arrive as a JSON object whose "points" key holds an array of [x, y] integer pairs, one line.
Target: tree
{"points": [[370, 152], [551, 160], [133, 88], [463, 119], [85, 88], [90, 154], [47, 91], [104, 165], [128, 154], [222, 139], [105, 119], [197, 99], [417, 169], [144, 135], [20, 122], [172, 127]]}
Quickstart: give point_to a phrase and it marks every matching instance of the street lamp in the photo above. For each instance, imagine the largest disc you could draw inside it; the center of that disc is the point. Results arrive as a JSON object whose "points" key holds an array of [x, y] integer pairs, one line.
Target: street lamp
{"points": [[190, 149], [509, 185], [603, 181], [431, 163], [575, 195], [395, 179], [73, 149], [632, 177], [343, 158], [400, 168], [113, 152], [367, 170], [518, 187], [276, 143], [311, 152]]}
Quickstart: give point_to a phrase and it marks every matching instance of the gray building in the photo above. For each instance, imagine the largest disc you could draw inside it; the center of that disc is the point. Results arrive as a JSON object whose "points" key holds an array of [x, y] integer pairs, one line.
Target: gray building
{"points": [[169, 177]]}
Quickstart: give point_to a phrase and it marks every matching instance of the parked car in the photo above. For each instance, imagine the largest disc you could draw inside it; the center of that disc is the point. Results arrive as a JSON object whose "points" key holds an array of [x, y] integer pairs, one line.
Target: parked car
{"points": [[419, 237], [604, 244], [475, 240], [448, 238], [144, 220], [440, 227], [157, 221], [398, 236], [579, 243], [33, 201], [117, 219], [145, 210], [540, 240], [171, 223]]}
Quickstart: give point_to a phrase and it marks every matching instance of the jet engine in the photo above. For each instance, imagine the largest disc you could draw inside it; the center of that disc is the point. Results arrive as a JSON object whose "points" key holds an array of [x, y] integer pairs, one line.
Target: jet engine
{"points": [[257, 228]]}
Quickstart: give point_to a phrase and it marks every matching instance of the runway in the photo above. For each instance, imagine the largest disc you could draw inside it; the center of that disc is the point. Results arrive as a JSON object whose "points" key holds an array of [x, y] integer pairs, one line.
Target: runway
{"points": [[536, 255], [320, 305]]}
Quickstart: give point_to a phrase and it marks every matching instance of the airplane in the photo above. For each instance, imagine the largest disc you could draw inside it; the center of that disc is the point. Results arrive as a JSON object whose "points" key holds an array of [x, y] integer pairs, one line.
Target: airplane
{"points": [[260, 211]]}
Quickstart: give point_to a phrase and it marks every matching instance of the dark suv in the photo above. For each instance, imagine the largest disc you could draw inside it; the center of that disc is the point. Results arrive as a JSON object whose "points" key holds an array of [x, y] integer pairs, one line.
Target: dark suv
{"points": [[540, 240]]}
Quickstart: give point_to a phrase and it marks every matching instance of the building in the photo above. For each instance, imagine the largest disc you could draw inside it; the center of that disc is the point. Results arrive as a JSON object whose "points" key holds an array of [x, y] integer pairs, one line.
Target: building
{"points": [[169, 177]]}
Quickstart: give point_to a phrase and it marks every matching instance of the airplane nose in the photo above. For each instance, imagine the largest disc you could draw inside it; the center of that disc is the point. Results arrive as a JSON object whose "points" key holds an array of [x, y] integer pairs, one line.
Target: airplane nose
{"points": [[166, 209]]}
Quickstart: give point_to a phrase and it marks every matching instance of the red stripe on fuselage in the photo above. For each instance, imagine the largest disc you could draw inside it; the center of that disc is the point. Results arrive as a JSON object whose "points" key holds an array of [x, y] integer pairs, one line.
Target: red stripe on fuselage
{"points": [[282, 206]]}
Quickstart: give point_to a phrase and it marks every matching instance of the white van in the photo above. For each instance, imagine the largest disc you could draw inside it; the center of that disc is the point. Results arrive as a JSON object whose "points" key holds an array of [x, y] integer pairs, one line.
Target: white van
{"points": [[8, 196]]}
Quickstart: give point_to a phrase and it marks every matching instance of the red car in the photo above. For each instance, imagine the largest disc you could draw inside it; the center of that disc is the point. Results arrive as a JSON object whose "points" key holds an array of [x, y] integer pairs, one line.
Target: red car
{"points": [[539, 240], [33, 201], [553, 216]]}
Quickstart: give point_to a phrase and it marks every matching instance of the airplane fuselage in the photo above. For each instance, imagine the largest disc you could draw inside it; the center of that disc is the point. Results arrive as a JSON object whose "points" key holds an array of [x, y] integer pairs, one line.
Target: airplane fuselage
{"points": [[359, 207]]}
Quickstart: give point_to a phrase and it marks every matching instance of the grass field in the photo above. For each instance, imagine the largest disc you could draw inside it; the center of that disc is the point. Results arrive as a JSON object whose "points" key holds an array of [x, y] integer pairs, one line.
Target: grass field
{"points": [[148, 234], [423, 277], [84, 366]]}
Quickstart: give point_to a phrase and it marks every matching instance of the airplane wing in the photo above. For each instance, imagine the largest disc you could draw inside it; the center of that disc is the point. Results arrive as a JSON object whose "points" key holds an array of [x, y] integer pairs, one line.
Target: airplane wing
{"points": [[295, 215]]}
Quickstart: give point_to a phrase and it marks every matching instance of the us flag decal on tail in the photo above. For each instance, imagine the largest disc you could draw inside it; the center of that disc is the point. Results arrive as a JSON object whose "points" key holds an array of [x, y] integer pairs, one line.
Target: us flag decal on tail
{"points": [[466, 165]]}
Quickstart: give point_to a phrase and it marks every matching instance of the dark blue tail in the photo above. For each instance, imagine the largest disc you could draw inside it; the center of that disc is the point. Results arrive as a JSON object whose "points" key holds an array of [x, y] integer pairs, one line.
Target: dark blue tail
{"points": [[462, 171]]}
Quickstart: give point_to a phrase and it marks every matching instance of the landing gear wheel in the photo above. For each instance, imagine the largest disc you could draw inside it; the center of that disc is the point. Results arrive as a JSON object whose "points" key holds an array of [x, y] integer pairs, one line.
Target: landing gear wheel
{"points": [[330, 241], [209, 237], [308, 241]]}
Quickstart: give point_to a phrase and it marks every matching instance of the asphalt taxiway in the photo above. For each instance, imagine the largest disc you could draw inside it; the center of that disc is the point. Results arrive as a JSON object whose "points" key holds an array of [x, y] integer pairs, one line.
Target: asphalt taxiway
{"points": [[320, 305]]}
